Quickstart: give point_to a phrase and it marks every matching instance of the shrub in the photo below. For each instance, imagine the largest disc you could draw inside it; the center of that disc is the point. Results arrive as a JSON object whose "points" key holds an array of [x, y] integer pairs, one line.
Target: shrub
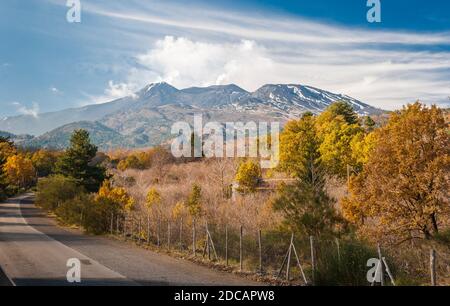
{"points": [[55, 190], [73, 211], [248, 176], [348, 269]]}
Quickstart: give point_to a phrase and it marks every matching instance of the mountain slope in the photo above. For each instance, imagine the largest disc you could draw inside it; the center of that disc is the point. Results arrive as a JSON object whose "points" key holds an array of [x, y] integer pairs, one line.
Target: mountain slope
{"points": [[102, 136], [45, 122], [18, 139], [145, 118]]}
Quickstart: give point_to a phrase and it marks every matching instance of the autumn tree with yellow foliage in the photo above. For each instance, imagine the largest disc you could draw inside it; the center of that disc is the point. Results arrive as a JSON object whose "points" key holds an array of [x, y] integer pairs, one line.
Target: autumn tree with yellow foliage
{"points": [[20, 171], [248, 176], [403, 191]]}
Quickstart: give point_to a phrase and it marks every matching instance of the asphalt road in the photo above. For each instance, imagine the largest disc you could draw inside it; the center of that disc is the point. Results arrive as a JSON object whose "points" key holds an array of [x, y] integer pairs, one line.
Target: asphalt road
{"points": [[34, 252]]}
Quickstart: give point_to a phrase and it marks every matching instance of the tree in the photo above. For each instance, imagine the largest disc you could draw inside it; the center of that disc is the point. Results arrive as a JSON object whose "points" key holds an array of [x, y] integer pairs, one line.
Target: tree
{"points": [[403, 188], [305, 204], [248, 176], [131, 162], [299, 151], [153, 199], [341, 109], [369, 124], [20, 171], [118, 197], [44, 162], [77, 163], [54, 190], [307, 210], [7, 149], [193, 202], [337, 127]]}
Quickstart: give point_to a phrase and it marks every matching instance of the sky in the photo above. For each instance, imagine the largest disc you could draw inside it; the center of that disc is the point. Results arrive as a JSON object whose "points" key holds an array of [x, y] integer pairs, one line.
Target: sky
{"points": [[49, 64]]}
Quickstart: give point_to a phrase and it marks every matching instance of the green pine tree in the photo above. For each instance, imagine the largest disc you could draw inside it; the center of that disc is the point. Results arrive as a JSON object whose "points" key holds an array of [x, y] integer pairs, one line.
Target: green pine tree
{"points": [[76, 162]]}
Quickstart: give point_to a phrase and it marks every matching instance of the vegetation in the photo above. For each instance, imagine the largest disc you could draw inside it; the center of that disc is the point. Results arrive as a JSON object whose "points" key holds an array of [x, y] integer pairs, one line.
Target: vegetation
{"points": [[76, 162], [403, 188], [248, 176], [347, 181]]}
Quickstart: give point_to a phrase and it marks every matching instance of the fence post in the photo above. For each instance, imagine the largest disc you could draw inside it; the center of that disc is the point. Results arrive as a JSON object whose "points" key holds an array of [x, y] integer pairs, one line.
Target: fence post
{"points": [[181, 234], [288, 268], [193, 238], [380, 258], [140, 229], [168, 234], [433, 267], [260, 252], [313, 259], [240, 249], [338, 245], [159, 231], [112, 223], [124, 226], [208, 243], [117, 225], [148, 228], [226, 245]]}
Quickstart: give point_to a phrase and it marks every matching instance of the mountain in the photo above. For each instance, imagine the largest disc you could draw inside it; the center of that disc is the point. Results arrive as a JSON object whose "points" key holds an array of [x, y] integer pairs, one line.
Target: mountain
{"points": [[18, 139], [102, 136], [145, 118], [45, 122]]}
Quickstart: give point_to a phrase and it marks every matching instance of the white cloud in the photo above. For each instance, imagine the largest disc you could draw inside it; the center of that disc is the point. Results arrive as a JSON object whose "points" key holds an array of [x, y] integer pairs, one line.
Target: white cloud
{"points": [[384, 78], [29, 111], [114, 91], [55, 90], [183, 63], [385, 68]]}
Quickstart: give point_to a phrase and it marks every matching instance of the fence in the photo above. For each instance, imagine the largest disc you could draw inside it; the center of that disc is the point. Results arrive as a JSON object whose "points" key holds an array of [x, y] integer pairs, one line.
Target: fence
{"points": [[273, 254]]}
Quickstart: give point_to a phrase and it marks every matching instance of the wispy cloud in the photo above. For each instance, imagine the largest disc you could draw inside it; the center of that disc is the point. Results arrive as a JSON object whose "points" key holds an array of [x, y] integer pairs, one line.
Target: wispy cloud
{"points": [[29, 111], [55, 90], [380, 67], [114, 91]]}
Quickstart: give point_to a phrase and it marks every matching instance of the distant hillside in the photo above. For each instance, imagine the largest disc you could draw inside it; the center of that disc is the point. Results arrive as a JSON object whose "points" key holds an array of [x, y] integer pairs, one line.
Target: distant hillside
{"points": [[18, 139], [102, 136], [145, 119]]}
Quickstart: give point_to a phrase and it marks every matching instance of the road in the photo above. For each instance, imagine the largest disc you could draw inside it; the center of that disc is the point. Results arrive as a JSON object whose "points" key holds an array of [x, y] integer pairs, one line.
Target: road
{"points": [[34, 252]]}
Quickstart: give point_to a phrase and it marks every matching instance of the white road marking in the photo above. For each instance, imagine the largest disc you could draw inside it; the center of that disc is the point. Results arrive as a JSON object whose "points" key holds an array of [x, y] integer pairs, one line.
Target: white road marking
{"points": [[26, 254]]}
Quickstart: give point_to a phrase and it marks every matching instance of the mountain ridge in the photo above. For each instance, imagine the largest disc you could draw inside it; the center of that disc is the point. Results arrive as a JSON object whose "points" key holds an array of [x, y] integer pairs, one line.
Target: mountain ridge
{"points": [[145, 118]]}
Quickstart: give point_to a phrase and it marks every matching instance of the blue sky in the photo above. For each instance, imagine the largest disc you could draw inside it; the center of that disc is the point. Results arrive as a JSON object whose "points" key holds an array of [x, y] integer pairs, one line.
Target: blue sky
{"points": [[48, 64]]}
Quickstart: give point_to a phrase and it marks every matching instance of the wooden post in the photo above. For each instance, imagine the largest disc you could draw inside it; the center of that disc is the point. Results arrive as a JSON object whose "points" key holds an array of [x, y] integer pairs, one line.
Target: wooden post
{"points": [[338, 246], [288, 267], [348, 178], [380, 258], [226, 245], [433, 267], [389, 272], [260, 252], [313, 259], [124, 226], [181, 234], [117, 226], [148, 228], [240, 248], [300, 265], [158, 238], [140, 229], [193, 238], [208, 246], [168, 234], [112, 223]]}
